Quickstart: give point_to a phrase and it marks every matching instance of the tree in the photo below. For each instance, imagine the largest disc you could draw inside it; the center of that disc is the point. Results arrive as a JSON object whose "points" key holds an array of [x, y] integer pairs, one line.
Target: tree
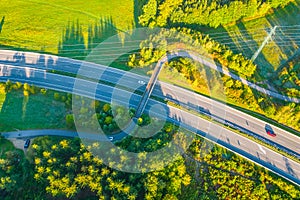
{"points": [[140, 121], [149, 14], [70, 120]]}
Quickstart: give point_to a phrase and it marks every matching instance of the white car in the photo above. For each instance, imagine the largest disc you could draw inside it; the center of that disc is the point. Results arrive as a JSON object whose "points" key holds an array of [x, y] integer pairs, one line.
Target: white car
{"points": [[111, 138], [141, 82]]}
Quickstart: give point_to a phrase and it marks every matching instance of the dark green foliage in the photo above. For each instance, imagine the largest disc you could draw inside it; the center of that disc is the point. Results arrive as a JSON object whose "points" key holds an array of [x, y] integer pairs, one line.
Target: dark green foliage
{"points": [[212, 13], [70, 121]]}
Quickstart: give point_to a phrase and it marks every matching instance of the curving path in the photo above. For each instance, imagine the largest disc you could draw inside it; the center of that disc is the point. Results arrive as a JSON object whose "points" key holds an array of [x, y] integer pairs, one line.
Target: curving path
{"points": [[37, 133], [22, 134]]}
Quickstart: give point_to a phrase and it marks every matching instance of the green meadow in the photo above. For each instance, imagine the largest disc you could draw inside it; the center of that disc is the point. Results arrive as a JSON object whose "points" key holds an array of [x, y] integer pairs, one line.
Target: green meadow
{"points": [[39, 25], [36, 111]]}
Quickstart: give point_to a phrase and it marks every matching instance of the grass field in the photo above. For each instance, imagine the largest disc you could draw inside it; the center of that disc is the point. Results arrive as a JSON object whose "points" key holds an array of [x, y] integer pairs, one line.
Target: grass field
{"points": [[38, 24], [35, 112]]}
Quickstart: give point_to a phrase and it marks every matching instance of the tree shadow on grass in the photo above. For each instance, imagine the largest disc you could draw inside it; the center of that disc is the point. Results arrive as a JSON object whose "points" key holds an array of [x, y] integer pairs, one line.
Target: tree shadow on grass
{"points": [[245, 40], [138, 10], [2, 23], [284, 44], [248, 47], [240, 40], [75, 45], [285, 37]]}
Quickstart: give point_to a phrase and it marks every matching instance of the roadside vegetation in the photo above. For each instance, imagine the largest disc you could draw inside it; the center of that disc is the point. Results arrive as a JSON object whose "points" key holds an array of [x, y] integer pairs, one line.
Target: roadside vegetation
{"points": [[64, 168]]}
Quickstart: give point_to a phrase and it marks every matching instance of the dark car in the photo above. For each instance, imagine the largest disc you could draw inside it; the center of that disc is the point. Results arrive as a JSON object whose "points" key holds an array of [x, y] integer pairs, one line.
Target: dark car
{"points": [[27, 143], [270, 131]]}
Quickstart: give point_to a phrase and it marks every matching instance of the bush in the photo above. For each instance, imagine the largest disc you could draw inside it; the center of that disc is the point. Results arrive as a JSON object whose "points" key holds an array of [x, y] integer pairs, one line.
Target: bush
{"points": [[63, 98], [56, 96], [3, 89], [26, 93], [70, 120], [26, 86], [8, 85], [83, 110], [43, 91], [108, 120], [18, 85], [140, 121], [106, 107]]}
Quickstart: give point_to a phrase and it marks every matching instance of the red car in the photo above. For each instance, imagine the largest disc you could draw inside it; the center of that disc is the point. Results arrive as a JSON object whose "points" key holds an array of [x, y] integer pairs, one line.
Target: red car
{"points": [[271, 133]]}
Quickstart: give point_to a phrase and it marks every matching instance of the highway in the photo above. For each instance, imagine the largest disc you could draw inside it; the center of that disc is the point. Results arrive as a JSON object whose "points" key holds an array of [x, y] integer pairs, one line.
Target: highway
{"points": [[162, 90], [275, 162], [51, 62]]}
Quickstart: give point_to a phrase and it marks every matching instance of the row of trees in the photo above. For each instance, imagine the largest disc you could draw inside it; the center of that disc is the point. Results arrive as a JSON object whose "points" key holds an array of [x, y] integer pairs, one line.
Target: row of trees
{"points": [[27, 89], [158, 44], [287, 113], [206, 12]]}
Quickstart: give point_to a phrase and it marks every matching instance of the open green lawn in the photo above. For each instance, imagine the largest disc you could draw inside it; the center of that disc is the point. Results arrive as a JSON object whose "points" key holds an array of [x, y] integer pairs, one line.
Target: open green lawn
{"points": [[246, 37], [37, 112], [39, 24]]}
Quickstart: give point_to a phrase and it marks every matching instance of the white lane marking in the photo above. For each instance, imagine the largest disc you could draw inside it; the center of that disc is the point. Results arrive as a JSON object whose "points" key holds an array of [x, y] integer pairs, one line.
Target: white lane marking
{"points": [[260, 148]]}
